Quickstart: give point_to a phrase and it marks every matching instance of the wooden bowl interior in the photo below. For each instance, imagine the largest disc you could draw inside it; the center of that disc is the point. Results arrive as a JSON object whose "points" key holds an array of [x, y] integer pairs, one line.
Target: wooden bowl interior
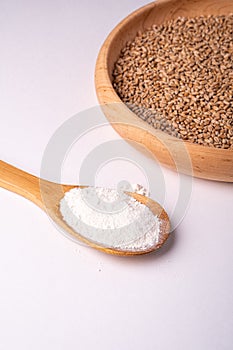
{"points": [[207, 162]]}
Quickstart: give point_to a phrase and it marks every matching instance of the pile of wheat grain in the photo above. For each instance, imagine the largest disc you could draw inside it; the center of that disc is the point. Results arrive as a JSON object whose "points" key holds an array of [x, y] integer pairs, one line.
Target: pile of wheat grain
{"points": [[178, 77]]}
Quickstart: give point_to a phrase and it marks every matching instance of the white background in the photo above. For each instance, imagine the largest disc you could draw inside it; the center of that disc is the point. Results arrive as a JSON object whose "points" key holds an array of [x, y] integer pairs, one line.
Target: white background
{"points": [[56, 294]]}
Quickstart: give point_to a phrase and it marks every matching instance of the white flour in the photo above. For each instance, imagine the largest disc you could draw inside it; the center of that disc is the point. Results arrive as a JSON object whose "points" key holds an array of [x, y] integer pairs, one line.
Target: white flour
{"points": [[110, 218]]}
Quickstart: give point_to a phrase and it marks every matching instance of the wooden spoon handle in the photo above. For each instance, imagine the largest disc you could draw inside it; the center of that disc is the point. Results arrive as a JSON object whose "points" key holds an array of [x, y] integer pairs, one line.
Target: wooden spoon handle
{"points": [[20, 182]]}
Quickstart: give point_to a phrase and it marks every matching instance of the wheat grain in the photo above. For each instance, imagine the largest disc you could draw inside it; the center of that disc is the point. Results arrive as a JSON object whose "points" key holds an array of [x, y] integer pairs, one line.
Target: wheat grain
{"points": [[178, 77]]}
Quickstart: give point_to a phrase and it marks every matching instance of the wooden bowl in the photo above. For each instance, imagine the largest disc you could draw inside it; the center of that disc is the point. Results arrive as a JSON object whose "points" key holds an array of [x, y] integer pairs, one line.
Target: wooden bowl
{"points": [[186, 157]]}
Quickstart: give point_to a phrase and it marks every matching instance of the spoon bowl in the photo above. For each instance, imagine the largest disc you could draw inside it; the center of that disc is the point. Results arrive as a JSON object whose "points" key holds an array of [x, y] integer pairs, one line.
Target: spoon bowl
{"points": [[47, 195]]}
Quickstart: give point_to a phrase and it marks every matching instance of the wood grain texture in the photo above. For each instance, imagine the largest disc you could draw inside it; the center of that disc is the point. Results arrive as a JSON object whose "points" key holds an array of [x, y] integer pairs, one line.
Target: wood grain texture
{"points": [[182, 156], [47, 195]]}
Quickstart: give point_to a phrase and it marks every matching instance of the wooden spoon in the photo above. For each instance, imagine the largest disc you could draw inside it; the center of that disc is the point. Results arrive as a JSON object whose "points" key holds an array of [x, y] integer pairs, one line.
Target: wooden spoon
{"points": [[47, 196]]}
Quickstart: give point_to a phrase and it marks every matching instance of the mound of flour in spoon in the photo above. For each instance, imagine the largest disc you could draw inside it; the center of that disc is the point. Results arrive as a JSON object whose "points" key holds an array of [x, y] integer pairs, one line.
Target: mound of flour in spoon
{"points": [[110, 218]]}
